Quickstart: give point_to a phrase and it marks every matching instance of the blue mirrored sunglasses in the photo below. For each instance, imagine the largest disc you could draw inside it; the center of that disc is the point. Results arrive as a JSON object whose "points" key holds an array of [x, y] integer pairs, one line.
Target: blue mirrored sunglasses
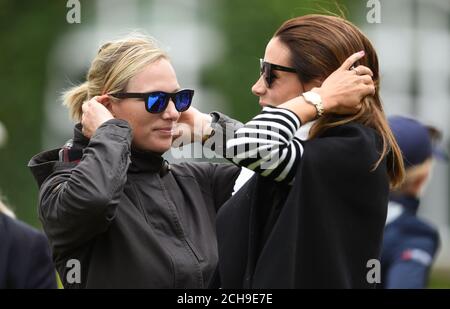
{"points": [[157, 101]]}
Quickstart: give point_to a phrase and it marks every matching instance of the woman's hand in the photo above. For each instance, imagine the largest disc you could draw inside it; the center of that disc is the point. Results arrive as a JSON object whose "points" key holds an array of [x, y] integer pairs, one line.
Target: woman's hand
{"points": [[343, 91], [94, 115], [192, 126]]}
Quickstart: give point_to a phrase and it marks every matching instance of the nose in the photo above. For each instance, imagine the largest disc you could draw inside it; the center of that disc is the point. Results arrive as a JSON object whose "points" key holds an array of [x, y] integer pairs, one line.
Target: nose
{"points": [[259, 88], [171, 112]]}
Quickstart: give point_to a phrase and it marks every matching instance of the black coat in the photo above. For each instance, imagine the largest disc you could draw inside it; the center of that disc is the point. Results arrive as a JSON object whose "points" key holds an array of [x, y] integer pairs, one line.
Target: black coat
{"points": [[25, 261], [318, 234], [129, 220]]}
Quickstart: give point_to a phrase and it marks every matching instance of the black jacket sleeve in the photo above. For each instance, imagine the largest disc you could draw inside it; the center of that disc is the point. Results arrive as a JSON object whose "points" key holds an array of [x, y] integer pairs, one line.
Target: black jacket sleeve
{"points": [[77, 203], [224, 130]]}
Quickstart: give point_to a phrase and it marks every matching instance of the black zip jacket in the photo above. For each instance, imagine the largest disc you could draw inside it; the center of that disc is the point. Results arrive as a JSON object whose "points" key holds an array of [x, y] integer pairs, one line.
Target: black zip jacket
{"points": [[129, 219]]}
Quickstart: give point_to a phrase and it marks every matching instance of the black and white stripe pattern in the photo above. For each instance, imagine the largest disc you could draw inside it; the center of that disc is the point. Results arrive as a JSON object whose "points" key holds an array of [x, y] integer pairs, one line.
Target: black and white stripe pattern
{"points": [[267, 144]]}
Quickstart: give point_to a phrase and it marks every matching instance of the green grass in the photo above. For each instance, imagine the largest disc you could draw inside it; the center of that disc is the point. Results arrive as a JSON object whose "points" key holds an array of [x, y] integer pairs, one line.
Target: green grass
{"points": [[439, 279]]}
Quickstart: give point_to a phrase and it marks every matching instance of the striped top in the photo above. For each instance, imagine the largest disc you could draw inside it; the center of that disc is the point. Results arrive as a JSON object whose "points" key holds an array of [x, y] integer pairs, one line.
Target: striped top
{"points": [[267, 144]]}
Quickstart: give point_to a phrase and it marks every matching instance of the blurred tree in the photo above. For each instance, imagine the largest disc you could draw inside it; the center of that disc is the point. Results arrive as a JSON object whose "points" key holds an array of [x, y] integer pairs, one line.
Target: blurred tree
{"points": [[27, 31]]}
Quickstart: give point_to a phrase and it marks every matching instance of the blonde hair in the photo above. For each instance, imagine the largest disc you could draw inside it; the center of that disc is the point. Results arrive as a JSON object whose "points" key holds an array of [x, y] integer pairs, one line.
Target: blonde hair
{"points": [[5, 210], [115, 64]]}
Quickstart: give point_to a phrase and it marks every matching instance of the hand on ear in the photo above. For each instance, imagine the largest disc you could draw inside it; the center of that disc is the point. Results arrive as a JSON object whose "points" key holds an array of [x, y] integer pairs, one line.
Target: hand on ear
{"points": [[106, 101], [343, 91], [95, 113]]}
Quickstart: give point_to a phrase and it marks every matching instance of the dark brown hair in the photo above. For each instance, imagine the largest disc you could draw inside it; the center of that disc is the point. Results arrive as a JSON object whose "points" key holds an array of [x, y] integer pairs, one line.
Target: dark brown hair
{"points": [[319, 44]]}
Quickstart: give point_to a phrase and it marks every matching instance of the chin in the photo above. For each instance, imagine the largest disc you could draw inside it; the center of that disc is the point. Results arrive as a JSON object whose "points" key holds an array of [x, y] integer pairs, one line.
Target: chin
{"points": [[160, 146], [157, 146]]}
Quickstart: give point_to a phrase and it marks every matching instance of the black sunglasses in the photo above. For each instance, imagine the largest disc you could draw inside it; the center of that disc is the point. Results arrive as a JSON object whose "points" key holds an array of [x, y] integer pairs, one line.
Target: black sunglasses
{"points": [[267, 68], [156, 102]]}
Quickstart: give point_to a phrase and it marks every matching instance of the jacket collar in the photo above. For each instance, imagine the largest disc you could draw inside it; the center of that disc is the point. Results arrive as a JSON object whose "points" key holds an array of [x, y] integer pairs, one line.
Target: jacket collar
{"points": [[44, 164], [410, 203], [79, 140], [147, 161], [141, 161]]}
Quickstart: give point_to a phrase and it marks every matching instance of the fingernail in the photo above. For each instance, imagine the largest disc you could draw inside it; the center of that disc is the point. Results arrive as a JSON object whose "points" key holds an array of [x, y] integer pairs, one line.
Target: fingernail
{"points": [[362, 53]]}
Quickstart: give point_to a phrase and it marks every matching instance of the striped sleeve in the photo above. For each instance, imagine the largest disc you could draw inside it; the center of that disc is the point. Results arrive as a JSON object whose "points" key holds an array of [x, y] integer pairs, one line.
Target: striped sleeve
{"points": [[267, 144]]}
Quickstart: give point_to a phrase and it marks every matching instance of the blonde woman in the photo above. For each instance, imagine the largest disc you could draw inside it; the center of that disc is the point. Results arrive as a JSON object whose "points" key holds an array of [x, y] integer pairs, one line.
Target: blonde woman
{"points": [[109, 203], [25, 261], [113, 209]]}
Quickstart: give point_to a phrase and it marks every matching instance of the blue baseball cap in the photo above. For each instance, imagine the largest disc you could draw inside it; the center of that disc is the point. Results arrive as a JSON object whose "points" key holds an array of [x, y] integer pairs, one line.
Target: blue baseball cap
{"points": [[416, 141]]}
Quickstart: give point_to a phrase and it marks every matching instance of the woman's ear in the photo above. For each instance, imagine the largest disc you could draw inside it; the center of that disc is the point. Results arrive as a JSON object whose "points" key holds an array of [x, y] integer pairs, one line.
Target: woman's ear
{"points": [[315, 83], [106, 101]]}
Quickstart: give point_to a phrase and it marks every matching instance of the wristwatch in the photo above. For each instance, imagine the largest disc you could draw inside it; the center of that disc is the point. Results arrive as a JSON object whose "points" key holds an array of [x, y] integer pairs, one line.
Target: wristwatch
{"points": [[315, 99]]}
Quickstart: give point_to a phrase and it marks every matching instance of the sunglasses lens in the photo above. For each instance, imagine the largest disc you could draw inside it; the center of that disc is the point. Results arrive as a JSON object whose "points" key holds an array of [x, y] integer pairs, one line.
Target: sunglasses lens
{"points": [[268, 79], [183, 100], [265, 70], [156, 102]]}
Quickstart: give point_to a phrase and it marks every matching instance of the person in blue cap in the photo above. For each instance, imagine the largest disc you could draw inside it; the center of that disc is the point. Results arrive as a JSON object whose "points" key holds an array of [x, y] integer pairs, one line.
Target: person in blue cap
{"points": [[410, 243]]}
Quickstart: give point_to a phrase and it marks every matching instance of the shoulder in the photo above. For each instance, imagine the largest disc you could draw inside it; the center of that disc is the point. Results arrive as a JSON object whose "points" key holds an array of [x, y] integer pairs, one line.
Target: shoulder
{"points": [[349, 146], [22, 236], [209, 176], [200, 169], [191, 169], [414, 228], [45, 165], [352, 132], [27, 254], [411, 233]]}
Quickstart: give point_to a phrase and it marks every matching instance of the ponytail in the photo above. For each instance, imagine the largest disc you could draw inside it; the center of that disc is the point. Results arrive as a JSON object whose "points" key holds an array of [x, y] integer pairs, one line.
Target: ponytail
{"points": [[115, 64], [74, 99]]}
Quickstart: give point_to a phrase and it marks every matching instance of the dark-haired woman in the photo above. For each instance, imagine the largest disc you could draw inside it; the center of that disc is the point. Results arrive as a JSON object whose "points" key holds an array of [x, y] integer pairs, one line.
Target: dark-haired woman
{"points": [[313, 214]]}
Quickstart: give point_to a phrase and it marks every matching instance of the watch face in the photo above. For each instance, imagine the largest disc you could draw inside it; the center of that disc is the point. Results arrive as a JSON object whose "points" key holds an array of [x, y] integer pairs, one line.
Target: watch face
{"points": [[312, 96], [314, 99]]}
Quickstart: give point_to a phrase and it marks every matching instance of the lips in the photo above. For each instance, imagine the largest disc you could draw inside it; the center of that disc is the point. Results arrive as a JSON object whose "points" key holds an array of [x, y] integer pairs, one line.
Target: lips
{"points": [[168, 131]]}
